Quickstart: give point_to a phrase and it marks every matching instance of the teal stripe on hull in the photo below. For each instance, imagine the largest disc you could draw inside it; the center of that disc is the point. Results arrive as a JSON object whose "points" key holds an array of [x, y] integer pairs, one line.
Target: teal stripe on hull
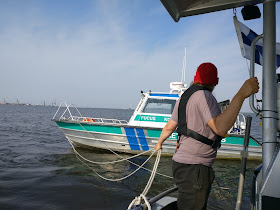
{"points": [[93, 128], [228, 140], [156, 134], [237, 141]]}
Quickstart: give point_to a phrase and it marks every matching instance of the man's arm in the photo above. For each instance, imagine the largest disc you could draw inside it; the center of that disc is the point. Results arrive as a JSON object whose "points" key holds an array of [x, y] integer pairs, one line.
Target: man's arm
{"points": [[223, 122], [168, 129]]}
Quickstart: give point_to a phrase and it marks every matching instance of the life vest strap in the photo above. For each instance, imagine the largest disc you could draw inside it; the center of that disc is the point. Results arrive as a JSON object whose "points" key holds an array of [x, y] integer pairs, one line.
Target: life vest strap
{"points": [[214, 144], [182, 123]]}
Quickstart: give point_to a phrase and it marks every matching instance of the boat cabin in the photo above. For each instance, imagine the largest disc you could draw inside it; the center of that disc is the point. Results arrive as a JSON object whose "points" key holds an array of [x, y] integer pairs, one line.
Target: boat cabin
{"points": [[155, 109]]}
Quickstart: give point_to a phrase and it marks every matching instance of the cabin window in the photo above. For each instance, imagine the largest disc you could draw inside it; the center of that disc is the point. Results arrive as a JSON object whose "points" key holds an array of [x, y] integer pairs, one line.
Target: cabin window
{"points": [[159, 106]]}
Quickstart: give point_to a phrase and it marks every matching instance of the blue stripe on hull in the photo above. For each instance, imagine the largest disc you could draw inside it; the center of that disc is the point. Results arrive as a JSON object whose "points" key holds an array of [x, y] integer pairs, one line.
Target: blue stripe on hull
{"points": [[142, 139], [131, 138]]}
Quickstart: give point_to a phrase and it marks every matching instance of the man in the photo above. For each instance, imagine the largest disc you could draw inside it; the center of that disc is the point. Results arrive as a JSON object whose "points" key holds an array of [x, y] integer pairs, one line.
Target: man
{"points": [[202, 125]]}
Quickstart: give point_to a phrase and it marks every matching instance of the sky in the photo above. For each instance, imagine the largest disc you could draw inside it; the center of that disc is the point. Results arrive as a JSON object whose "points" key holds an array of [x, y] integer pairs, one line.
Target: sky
{"points": [[103, 53]]}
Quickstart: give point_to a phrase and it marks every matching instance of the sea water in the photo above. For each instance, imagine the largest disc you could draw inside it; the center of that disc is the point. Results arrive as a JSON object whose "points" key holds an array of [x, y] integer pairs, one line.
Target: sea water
{"points": [[39, 170]]}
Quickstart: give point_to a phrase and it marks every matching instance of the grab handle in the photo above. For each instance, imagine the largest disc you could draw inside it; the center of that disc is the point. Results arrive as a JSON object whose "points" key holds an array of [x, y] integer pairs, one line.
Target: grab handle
{"points": [[252, 73]]}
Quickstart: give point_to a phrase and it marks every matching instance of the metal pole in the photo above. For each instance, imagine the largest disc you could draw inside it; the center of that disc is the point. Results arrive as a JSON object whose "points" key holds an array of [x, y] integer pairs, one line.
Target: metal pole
{"points": [[244, 155], [269, 84]]}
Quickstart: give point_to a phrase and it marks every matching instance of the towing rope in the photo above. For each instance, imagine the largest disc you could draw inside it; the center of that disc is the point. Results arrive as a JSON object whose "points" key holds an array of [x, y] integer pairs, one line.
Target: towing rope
{"points": [[111, 162], [120, 179], [142, 196], [122, 158]]}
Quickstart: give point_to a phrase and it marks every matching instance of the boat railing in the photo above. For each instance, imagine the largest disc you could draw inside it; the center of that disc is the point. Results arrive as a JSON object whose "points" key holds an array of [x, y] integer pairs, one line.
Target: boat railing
{"points": [[99, 120], [66, 111], [239, 126], [67, 115]]}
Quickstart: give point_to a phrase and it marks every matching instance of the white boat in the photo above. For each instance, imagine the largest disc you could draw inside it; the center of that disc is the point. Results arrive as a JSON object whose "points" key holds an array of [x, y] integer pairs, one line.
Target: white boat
{"points": [[142, 131]]}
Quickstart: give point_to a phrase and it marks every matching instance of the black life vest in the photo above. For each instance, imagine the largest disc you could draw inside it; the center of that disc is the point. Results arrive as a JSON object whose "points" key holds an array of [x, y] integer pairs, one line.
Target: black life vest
{"points": [[182, 128]]}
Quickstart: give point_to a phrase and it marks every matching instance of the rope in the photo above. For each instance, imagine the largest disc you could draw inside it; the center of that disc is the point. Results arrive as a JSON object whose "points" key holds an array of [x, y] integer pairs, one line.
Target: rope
{"points": [[142, 196], [101, 163], [125, 177], [127, 159], [148, 186], [137, 202], [122, 158]]}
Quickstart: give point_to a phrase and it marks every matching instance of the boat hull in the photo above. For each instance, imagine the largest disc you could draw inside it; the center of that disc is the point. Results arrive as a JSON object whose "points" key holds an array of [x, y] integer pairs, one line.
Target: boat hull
{"points": [[135, 140]]}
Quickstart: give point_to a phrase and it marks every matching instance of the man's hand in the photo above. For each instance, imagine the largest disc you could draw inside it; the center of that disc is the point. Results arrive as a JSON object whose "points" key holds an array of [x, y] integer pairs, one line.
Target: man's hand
{"points": [[168, 129], [223, 122], [158, 146], [249, 87]]}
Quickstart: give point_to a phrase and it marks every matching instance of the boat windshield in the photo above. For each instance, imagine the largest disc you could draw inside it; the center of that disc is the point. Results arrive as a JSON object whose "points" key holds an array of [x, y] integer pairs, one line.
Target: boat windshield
{"points": [[159, 106]]}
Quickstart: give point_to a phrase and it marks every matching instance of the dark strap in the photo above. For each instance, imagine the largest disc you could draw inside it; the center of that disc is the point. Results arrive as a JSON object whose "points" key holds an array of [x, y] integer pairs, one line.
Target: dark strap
{"points": [[214, 144], [182, 128], [182, 122]]}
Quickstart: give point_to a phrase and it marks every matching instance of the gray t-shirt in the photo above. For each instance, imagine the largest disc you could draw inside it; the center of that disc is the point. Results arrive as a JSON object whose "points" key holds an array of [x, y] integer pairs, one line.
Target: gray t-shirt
{"points": [[202, 107]]}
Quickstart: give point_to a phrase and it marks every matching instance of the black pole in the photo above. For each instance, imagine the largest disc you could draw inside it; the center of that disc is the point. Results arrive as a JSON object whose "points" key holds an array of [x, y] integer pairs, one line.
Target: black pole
{"points": [[244, 155]]}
